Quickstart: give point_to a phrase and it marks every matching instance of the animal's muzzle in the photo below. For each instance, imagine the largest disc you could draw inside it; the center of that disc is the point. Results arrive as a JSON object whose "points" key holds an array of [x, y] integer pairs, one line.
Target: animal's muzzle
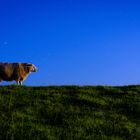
{"points": [[35, 69]]}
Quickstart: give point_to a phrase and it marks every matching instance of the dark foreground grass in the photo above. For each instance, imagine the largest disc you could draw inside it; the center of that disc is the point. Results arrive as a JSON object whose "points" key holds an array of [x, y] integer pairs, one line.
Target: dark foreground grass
{"points": [[70, 113]]}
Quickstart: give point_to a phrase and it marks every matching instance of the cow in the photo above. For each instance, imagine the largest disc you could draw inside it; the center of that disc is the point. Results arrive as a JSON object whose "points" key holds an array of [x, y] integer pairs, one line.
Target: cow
{"points": [[16, 71]]}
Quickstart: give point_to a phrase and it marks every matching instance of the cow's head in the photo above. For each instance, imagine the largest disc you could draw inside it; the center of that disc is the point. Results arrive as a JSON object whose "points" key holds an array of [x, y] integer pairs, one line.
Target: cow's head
{"points": [[31, 67]]}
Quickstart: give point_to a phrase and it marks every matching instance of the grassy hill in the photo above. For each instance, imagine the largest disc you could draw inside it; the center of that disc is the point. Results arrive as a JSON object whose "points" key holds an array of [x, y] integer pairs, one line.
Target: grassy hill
{"points": [[70, 113]]}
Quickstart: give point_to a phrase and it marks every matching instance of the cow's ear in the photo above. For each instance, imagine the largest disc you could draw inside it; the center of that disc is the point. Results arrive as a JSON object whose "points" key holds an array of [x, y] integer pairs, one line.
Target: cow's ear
{"points": [[30, 68], [27, 69]]}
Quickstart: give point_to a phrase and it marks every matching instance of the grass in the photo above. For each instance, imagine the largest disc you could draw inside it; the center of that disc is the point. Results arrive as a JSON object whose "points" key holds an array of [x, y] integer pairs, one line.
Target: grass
{"points": [[70, 113]]}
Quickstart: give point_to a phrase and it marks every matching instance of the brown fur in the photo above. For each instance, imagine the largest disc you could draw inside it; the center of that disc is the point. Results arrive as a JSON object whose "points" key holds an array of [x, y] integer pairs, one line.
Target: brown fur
{"points": [[15, 71]]}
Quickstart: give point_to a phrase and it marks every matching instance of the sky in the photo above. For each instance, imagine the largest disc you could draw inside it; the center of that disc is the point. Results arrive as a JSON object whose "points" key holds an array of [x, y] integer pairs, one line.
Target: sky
{"points": [[73, 42]]}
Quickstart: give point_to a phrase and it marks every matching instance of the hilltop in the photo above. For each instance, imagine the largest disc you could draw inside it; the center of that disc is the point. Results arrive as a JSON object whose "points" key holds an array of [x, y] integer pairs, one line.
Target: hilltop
{"points": [[70, 113]]}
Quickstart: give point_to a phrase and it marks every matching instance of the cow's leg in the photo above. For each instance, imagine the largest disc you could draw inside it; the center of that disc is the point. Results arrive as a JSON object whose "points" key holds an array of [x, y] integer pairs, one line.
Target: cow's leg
{"points": [[20, 83], [17, 82]]}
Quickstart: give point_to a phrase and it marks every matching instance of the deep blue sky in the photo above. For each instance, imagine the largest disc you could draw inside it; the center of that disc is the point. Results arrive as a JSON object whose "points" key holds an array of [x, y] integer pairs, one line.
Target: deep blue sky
{"points": [[83, 42]]}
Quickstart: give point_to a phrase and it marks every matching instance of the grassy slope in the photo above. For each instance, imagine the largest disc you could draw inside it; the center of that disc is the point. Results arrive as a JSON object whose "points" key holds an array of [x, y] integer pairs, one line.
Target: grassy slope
{"points": [[70, 112]]}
